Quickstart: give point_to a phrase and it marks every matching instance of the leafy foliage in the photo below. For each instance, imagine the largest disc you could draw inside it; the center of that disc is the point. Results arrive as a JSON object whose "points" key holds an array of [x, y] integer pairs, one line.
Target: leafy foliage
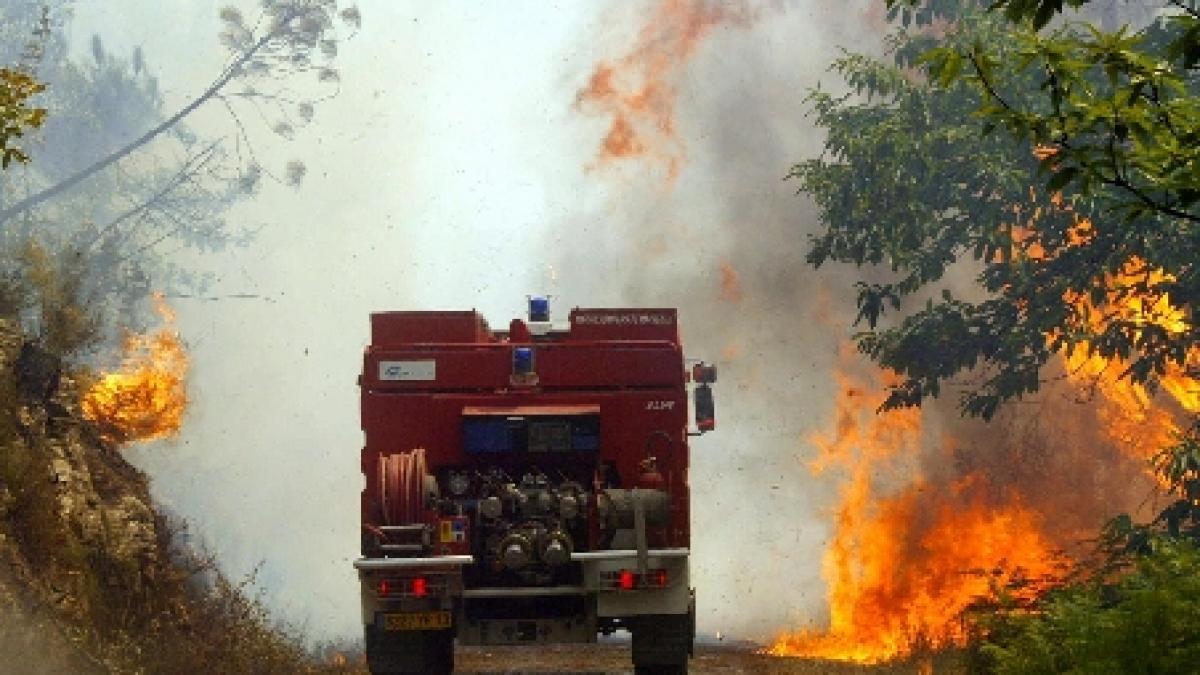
{"points": [[1147, 622], [908, 184], [915, 184], [16, 116], [1121, 110]]}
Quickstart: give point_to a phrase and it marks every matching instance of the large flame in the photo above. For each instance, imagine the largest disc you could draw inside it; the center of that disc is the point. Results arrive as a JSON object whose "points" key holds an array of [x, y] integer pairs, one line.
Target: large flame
{"points": [[638, 91], [1133, 416], [1135, 295], [145, 399], [906, 560]]}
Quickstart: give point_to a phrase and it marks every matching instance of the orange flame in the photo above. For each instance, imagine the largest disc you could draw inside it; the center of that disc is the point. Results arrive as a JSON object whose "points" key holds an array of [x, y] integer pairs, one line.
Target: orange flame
{"points": [[1134, 295], [144, 400], [638, 91], [906, 562], [731, 351], [1140, 422]]}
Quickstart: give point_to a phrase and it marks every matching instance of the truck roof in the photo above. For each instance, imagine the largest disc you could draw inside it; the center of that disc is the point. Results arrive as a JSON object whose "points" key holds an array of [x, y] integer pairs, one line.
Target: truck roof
{"points": [[458, 351], [395, 329]]}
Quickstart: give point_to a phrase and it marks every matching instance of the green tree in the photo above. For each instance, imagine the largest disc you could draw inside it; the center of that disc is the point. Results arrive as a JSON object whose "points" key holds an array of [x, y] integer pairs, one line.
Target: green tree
{"points": [[290, 37], [1120, 108], [916, 183], [118, 178], [16, 115]]}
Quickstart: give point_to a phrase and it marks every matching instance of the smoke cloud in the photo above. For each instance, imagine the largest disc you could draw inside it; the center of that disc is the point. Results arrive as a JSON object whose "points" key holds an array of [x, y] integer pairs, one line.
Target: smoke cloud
{"points": [[444, 187], [723, 238], [627, 155]]}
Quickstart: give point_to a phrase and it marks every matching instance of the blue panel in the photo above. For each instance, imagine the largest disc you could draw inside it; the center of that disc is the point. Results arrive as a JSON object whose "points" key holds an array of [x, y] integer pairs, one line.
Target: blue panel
{"points": [[487, 434], [582, 440], [585, 433]]}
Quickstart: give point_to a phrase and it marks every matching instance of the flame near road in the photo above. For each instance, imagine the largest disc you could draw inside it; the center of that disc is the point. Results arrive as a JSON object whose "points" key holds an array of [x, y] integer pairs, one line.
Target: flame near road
{"points": [[907, 560], [922, 528], [145, 399]]}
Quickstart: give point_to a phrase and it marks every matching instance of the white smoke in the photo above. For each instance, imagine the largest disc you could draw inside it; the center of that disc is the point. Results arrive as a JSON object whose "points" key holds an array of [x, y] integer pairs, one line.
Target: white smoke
{"points": [[449, 172]]}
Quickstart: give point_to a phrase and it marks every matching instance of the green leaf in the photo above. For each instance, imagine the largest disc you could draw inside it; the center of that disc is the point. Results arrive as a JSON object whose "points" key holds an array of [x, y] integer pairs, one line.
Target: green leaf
{"points": [[1060, 179]]}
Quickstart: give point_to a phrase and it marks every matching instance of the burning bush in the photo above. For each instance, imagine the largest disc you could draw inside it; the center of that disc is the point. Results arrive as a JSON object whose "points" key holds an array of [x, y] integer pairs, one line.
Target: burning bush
{"points": [[144, 400]]}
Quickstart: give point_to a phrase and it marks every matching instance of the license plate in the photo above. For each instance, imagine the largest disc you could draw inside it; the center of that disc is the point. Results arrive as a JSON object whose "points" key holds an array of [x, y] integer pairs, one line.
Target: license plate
{"points": [[416, 621]]}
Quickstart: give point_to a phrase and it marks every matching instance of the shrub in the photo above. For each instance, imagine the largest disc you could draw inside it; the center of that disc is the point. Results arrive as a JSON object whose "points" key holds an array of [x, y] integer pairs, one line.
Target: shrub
{"points": [[1147, 621]]}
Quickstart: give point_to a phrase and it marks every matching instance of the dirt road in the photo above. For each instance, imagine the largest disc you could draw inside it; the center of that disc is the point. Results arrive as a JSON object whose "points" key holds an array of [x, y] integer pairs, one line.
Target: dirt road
{"points": [[612, 658]]}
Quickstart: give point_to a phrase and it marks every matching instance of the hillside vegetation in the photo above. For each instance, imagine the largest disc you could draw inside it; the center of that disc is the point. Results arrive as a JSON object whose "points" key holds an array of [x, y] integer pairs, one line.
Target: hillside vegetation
{"points": [[93, 578]]}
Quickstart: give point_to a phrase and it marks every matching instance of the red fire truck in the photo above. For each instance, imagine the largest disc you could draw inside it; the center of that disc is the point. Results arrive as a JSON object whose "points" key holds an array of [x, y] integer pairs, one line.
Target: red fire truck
{"points": [[527, 486]]}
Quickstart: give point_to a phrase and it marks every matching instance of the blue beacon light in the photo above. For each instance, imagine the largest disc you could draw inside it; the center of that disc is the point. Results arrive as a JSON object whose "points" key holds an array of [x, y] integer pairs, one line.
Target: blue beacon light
{"points": [[522, 360], [539, 309]]}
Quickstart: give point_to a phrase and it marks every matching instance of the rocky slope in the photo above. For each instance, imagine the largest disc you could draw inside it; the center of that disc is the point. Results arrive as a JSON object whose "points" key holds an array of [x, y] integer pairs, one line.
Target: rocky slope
{"points": [[92, 578]]}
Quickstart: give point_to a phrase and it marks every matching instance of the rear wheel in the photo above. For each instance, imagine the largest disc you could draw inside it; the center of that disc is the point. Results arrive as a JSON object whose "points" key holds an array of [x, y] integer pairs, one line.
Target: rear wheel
{"points": [[397, 653], [662, 643]]}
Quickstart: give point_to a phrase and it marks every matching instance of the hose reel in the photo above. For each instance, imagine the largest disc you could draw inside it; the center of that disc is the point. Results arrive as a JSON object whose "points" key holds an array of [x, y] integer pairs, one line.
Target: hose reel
{"points": [[404, 485]]}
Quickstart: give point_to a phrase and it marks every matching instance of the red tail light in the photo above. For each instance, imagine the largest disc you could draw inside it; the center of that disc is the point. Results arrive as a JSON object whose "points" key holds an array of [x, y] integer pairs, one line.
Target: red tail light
{"points": [[629, 580], [625, 580], [660, 578], [384, 588], [419, 588]]}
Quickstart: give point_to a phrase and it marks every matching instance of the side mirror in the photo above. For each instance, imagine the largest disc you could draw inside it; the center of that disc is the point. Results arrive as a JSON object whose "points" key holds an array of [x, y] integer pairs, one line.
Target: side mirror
{"points": [[706, 417], [704, 373]]}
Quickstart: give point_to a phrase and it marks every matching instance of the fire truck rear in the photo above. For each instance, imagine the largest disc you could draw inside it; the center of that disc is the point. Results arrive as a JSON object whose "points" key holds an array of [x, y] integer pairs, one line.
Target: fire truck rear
{"points": [[527, 486]]}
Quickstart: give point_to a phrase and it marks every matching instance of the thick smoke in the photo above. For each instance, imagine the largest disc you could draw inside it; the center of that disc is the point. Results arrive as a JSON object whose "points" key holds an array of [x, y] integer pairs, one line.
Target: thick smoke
{"points": [[436, 184], [698, 218], [716, 232]]}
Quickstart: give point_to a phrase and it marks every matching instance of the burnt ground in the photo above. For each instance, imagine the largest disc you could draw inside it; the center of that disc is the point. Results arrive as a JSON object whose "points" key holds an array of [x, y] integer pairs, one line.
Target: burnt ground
{"points": [[613, 657]]}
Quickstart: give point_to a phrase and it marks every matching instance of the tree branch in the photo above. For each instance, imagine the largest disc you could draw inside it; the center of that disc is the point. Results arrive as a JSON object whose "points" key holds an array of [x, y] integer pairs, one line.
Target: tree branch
{"points": [[189, 169], [71, 181], [1118, 181]]}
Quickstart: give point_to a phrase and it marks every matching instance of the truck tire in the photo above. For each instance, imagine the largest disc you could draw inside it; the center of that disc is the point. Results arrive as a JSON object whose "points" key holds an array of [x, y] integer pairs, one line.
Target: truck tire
{"points": [[662, 644], [425, 652]]}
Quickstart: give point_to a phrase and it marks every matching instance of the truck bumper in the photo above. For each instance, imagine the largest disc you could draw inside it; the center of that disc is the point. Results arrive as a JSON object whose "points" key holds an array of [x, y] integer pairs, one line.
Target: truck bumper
{"points": [[535, 614], [601, 568]]}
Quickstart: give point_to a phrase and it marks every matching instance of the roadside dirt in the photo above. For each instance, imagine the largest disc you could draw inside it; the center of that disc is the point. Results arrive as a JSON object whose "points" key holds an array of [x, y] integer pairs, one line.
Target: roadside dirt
{"points": [[613, 658]]}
